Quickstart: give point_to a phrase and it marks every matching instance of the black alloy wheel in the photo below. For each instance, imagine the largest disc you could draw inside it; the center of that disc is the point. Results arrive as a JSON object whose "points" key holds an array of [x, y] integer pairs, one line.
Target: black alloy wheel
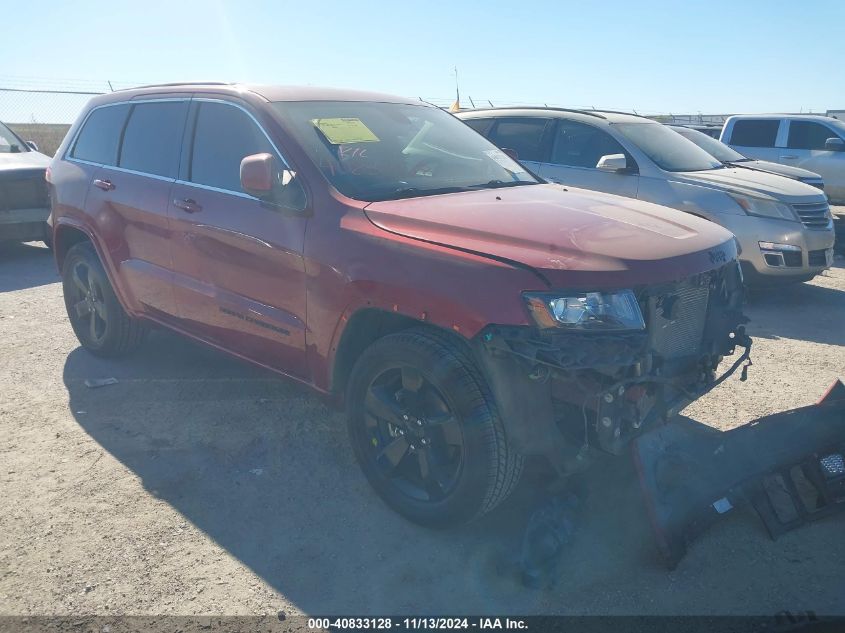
{"points": [[416, 440], [89, 311]]}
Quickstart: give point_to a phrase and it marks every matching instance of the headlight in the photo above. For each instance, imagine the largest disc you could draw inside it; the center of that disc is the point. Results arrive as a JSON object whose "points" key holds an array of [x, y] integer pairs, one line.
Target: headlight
{"points": [[602, 311], [764, 208]]}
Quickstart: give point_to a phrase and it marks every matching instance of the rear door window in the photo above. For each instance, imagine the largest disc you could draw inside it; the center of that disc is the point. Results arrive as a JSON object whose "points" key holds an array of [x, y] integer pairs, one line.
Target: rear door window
{"points": [[755, 133], [524, 135], [153, 138], [808, 135], [580, 145], [100, 135]]}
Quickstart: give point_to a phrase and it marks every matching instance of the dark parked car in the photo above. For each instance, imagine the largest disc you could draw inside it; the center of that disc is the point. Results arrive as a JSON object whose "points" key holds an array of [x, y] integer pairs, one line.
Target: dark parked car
{"points": [[381, 252], [713, 130], [727, 155], [23, 191]]}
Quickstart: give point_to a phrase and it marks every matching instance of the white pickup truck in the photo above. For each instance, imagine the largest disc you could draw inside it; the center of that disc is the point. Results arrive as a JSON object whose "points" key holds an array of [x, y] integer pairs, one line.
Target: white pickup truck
{"points": [[812, 142]]}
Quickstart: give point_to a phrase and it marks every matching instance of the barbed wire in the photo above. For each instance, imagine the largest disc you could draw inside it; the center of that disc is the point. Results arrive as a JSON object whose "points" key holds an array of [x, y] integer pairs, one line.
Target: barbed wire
{"points": [[43, 108]]}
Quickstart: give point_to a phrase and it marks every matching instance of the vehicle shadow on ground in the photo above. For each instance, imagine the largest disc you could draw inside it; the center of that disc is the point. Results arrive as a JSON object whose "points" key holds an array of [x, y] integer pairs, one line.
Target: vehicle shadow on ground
{"points": [[815, 312], [26, 266], [264, 469]]}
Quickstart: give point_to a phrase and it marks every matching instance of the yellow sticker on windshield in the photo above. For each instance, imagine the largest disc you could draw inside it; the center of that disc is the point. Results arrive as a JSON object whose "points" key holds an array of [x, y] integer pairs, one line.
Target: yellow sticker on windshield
{"points": [[345, 130]]}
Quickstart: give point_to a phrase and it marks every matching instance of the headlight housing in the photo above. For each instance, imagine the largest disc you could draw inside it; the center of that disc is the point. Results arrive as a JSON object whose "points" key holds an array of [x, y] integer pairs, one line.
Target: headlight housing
{"points": [[763, 207], [586, 311]]}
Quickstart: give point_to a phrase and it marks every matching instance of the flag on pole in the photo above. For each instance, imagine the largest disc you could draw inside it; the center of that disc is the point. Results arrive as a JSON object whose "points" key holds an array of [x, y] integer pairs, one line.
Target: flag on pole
{"points": [[456, 107]]}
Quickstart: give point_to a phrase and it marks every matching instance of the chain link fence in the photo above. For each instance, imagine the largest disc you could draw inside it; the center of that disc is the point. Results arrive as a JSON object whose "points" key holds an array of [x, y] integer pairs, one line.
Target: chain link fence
{"points": [[42, 110], [41, 116]]}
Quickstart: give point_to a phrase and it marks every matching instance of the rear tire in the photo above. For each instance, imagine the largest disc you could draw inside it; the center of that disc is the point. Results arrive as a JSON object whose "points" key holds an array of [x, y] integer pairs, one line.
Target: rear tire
{"points": [[48, 236], [436, 451], [97, 318]]}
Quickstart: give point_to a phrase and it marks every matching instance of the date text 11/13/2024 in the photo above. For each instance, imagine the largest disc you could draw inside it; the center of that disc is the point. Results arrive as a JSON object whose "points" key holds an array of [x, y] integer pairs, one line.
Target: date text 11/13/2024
{"points": [[431, 623]]}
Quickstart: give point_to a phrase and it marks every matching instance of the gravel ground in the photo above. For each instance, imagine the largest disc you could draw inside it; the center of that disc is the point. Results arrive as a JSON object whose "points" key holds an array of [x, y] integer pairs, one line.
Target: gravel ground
{"points": [[200, 485]]}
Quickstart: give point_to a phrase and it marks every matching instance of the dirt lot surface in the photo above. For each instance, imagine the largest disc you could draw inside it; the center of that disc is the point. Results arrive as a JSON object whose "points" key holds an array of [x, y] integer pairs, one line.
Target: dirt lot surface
{"points": [[200, 485]]}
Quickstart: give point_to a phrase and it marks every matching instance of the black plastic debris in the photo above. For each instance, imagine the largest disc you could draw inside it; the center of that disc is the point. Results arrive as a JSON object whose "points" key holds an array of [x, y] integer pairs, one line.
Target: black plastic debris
{"points": [[789, 465]]}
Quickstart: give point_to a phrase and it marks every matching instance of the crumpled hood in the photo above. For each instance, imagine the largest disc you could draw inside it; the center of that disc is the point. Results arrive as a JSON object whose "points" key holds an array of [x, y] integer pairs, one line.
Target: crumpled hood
{"points": [[570, 237], [782, 170], [23, 160], [753, 183]]}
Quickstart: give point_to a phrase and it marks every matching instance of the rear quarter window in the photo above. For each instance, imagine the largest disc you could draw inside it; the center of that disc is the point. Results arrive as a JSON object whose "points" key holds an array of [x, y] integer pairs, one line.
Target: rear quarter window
{"points": [[153, 137], [100, 135], [755, 133]]}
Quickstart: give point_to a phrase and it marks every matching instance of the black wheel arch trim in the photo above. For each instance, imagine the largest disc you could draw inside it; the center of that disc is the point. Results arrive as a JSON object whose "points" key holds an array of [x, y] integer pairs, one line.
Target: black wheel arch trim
{"points": [[60, 253]]}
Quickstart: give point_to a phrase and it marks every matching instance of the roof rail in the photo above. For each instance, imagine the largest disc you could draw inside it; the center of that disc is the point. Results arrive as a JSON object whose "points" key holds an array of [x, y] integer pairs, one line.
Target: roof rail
{"points": [[180, 83], [588, 112], [625, 113]]}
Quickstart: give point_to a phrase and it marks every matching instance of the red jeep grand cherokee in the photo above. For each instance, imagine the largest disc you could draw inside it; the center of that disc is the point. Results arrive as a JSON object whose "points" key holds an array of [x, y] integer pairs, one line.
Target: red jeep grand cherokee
{"points": [[378, 249]]}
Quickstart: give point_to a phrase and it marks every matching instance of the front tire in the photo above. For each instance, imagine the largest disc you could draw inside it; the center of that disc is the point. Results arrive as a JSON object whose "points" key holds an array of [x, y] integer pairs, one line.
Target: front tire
{"points": [[426, 431], [97, 318]]}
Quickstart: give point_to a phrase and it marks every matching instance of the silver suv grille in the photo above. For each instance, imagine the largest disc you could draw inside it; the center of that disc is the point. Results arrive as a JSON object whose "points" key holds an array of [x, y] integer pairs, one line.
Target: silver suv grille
{"points": [[19, 191], [814, 215], [677, 320]]}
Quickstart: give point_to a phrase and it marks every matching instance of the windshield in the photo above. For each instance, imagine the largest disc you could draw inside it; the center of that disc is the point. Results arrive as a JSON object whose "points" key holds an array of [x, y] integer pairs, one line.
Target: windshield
{"points": [[383, 151], [669, 150], [9, 142], [717, 149]]}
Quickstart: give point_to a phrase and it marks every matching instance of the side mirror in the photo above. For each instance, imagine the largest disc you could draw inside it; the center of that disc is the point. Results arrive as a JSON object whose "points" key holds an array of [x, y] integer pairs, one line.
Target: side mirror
{"points": [[612, 162], [32, 145], [834, 144], [511, 153], [257, 175]]}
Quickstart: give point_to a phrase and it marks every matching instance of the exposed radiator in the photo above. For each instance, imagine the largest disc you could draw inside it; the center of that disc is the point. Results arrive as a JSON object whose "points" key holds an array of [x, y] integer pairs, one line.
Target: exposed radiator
{"points": [[676, 320]]}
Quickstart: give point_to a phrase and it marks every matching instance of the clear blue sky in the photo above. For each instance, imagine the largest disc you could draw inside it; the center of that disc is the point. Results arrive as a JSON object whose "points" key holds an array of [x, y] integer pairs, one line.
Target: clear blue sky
{"points": [[657, 57]]}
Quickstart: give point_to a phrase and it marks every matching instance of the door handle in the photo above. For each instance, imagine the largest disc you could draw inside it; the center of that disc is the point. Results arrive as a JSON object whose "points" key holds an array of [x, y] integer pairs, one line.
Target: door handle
{"points": [[188, 205], [105, 185], [789, 157]]}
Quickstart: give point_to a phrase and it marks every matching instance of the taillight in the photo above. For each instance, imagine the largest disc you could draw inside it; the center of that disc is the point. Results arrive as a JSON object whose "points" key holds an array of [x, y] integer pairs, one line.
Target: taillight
{"points": [[47, 175]]}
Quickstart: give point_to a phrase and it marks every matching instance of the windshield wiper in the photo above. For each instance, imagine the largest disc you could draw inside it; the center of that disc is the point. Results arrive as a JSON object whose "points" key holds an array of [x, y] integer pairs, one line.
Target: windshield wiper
{"points": [[498, 184], [414, 192]]}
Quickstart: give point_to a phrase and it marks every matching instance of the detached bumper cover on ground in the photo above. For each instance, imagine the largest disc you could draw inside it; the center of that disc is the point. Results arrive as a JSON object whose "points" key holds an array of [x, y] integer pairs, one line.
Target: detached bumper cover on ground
{"points": [[789, 465]]}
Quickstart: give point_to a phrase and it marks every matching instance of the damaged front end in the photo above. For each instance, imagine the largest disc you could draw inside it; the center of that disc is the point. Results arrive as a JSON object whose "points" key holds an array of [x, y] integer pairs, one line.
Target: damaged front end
{"points": [[561, 391]]}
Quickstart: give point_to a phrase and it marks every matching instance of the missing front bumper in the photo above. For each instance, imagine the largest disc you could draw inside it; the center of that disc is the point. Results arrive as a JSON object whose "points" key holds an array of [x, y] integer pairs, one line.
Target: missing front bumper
{"points": [[787, 465]]}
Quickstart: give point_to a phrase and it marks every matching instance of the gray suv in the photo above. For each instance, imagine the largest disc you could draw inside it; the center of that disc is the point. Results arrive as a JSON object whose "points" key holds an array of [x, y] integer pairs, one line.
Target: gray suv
{"points": [[24, 208], [783, 226]]}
